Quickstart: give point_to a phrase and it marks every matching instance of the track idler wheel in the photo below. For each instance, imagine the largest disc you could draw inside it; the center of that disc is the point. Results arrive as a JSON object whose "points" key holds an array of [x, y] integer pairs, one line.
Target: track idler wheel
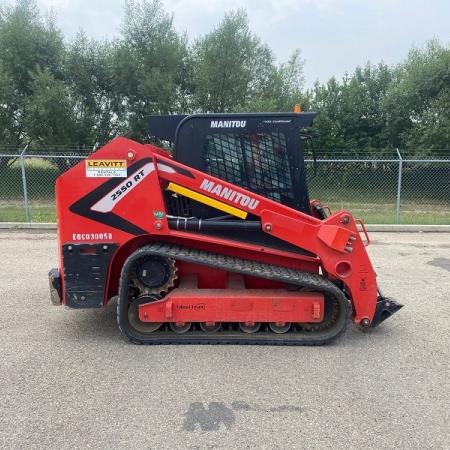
{"points": [[210, 327], [250, 327], [133, 316], [180, 327], [280, 327]]}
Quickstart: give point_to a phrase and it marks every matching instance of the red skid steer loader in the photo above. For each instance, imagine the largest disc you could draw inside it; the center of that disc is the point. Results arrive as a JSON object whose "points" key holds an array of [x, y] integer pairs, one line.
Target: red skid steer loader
{"points": [[214, 242]]}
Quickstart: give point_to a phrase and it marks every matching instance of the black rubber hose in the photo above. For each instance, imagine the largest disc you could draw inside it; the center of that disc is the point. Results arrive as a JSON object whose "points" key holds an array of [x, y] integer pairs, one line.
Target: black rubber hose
{"points": [[214, 225]]}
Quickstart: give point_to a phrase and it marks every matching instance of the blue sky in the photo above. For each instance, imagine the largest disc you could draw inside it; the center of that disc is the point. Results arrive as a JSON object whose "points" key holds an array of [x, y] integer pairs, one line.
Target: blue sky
{"points": [[334, 35]]}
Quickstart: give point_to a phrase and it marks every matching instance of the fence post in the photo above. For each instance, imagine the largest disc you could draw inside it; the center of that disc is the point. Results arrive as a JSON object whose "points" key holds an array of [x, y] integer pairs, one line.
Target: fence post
{"points": [[399, 185], [24, 185]]}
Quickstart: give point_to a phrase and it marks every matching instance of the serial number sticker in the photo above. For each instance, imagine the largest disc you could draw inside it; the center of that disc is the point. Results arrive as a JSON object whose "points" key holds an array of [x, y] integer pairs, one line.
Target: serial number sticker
{"points": [[106, 168], [92, 236]]}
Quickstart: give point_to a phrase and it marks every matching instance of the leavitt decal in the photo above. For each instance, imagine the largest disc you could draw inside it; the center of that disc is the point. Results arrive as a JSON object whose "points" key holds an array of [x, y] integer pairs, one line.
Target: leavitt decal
{"points": [[106, 168]]}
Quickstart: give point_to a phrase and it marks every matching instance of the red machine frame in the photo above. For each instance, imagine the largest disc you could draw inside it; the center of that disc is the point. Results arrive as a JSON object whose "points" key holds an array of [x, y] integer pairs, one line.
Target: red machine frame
{"points": [[336, 241]]}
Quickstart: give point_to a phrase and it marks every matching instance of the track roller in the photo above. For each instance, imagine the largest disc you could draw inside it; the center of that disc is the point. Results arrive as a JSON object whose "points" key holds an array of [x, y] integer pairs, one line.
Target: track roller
{"points": [[249, 327], [210, 327], [280, 327], [180, 327]]}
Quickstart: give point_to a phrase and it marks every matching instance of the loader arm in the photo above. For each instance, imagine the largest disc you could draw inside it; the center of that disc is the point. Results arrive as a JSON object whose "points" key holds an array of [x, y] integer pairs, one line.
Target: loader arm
{"points": [[336, 240]]}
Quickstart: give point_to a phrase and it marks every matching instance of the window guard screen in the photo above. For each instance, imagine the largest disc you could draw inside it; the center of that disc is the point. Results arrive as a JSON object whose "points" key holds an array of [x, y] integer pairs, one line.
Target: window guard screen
{"points": [[258, 162]]}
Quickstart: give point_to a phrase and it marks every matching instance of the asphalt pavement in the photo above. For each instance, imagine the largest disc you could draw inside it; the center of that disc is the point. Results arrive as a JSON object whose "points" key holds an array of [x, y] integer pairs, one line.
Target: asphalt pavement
{"points": [[68, 379]]}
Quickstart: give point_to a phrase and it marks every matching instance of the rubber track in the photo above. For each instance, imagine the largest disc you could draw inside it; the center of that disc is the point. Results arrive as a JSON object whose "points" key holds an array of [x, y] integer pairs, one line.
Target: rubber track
{"points": [[253, 268]]}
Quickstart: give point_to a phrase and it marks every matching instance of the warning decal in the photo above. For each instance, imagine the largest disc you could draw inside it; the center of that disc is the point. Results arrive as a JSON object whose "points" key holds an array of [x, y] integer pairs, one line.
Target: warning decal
{"points": [[106, 168]]}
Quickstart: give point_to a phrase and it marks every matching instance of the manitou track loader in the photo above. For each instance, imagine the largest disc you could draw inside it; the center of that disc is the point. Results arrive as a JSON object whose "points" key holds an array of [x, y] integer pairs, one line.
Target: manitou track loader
{"points": [[213, 242]]}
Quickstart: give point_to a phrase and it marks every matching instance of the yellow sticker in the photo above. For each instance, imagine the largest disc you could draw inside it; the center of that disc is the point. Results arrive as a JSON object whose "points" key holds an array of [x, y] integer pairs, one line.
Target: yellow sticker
{"points": [[106, 168]]}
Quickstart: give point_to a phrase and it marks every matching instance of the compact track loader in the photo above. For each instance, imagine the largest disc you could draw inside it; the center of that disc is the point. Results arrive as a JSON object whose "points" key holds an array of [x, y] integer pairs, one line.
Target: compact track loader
{"points": [[214, 242]]}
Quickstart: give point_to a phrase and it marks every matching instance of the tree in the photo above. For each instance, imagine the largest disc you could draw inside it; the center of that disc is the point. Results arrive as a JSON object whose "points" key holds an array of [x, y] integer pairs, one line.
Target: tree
{"points": [[291, 83], [362, 111], [27, 44], [431, 134], [95, 90], [9, 119], [417, 103], [97, 108], [351, 113], [148, 64], [230, 66], [50, 111], [326, 100], [281, 87]]}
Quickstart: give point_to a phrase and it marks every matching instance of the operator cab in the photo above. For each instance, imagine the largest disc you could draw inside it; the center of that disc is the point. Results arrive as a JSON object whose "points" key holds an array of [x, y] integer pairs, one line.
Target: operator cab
{"points": [[261, 152]]}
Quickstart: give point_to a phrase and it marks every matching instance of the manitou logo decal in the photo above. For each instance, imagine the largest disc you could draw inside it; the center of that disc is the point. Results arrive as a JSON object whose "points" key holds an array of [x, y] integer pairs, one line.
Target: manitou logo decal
{"points": [[192, 306], [229, 194], [228, 123]]}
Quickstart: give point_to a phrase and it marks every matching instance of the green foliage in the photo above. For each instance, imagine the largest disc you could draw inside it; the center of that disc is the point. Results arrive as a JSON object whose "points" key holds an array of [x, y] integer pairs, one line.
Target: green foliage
{"points": [[289, 89], [27, 43], [10, 123], [86, 91], [89, 76], [417, 103], [232, 70], [229, 66], [350, 113], [50, 110], [148, 64], [432, 132], [326, 99]]}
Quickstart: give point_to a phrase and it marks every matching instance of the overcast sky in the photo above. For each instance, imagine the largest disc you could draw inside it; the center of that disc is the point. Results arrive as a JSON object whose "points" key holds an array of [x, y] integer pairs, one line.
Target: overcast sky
{"points": [[334, 35]]}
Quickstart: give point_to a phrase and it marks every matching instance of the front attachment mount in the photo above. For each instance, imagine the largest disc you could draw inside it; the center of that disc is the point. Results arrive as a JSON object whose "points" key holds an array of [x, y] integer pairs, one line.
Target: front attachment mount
{"points": [[385, 308]]}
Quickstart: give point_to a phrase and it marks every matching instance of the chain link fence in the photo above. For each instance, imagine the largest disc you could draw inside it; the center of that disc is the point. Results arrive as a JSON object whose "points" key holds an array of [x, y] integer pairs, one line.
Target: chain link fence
{"points": [[394, 188], [28, 176]]}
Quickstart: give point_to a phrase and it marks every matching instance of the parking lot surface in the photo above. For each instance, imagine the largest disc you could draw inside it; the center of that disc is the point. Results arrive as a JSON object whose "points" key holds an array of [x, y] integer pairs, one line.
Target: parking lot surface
{"points": [[68, 379]]}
